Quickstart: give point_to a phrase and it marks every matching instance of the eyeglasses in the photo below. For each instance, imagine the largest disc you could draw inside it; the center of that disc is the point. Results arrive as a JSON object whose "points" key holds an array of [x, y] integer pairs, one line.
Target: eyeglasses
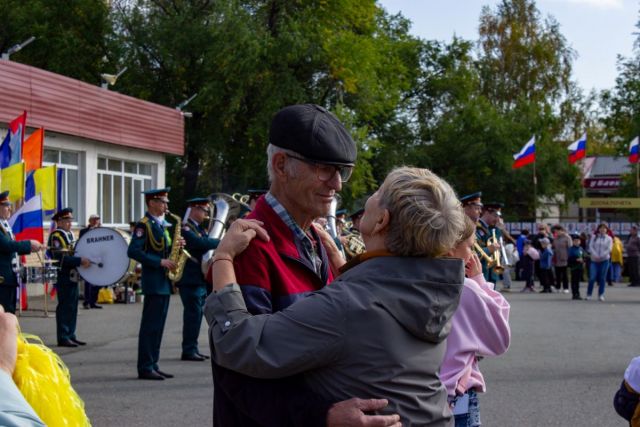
{"points": [[325, 172]]}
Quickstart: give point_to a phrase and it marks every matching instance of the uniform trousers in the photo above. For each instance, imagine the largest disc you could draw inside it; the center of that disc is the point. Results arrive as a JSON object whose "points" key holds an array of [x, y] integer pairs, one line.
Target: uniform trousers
{"points": [[193, 302], [8, 295], [66, 311], [154, 315]]}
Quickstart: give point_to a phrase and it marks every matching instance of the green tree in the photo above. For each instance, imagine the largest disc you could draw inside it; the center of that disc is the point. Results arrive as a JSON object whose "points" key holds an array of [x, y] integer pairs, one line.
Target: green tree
{"points": [[247, 59], [71, 36]]}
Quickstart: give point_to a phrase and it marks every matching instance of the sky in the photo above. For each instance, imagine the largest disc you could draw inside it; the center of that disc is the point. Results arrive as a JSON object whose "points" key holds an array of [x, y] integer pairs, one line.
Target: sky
{"points": [[598, 30]]}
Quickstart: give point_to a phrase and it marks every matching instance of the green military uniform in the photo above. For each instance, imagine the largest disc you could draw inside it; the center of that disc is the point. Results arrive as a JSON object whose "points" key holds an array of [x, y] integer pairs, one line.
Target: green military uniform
{"points": [[61, 248], [9, 249], [150, 243], [483, 233], [192, 286]]}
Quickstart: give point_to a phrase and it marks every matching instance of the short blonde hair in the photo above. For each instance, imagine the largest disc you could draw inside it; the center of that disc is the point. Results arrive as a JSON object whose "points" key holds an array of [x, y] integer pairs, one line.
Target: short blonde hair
{"points": [[468, 230], [426, 218]]}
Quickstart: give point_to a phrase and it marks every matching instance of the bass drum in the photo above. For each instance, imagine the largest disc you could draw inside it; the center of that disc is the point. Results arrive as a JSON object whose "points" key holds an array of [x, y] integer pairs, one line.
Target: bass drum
{"points": [[107, 251]]}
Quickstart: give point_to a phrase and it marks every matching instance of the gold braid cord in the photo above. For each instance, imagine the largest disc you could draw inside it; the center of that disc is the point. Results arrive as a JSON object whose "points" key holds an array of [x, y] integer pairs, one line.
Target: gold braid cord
{"points": [[155, 245]]}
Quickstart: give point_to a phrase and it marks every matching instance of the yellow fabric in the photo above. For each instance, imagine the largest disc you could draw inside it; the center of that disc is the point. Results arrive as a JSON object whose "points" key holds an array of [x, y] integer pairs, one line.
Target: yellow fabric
{"points": [[44, 381], [616, 251], [45, 180], [12, 180], [105, 295]]}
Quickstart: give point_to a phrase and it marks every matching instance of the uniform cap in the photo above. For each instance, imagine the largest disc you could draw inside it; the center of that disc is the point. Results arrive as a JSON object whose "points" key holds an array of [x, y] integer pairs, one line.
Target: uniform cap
{"points": [[472, 199], [157, 194], [66, 213], [4, 198]]}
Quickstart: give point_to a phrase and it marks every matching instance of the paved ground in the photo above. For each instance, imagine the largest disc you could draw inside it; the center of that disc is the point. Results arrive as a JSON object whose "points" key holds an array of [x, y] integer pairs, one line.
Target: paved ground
{"points": [[565, 363]]}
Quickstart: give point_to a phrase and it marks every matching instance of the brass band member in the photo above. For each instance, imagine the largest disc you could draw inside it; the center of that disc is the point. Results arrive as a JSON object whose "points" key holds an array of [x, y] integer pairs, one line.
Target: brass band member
{"points": [[61, 241], [9, 251], [192, 286], [150, 246]]}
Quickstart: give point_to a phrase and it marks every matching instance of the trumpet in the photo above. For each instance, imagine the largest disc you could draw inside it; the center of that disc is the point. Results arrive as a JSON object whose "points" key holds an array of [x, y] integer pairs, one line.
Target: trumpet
{"points": [[497, 255], [490, 260]]}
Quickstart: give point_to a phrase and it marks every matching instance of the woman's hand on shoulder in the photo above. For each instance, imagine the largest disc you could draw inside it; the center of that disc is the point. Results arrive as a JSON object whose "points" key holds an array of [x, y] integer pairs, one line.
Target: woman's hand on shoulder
{"points": [[239, 235]]}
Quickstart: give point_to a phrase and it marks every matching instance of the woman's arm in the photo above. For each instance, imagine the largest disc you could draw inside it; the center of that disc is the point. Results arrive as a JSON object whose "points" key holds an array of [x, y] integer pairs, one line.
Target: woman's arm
{"points": [[306, 335]]}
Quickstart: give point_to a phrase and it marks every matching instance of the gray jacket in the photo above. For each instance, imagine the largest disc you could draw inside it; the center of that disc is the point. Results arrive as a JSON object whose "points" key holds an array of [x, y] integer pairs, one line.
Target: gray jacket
{"points": [[378, 331], [561, 245]]}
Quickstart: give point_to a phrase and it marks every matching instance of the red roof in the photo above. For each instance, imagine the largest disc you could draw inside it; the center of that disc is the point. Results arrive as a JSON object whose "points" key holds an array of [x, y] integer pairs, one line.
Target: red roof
{"points": [[64, 105]]}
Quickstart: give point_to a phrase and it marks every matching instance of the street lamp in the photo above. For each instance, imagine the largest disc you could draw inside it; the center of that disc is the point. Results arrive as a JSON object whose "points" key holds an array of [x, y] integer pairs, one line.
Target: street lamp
{"points": [[17, 48], [110, 79], [184, 103]]}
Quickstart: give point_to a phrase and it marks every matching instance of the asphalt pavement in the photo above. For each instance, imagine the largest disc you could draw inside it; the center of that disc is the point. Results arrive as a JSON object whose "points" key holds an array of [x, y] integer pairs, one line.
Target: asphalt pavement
{"points": [[565, 363]]}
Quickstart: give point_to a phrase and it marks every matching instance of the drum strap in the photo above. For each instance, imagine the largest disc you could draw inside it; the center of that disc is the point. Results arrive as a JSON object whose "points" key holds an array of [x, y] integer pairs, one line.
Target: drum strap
{"points": [[6, 229]]}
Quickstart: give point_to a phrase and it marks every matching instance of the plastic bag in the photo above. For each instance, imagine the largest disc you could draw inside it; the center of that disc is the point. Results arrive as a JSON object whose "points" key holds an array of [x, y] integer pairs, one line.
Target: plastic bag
{"points": [[105, 295]]}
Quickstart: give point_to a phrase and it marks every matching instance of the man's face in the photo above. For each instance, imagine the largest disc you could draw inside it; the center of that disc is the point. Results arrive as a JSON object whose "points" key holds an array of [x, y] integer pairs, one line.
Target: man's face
{"points": [[158, 207], [491, 217], [198, 214], [634, 230], [5, 211], [310, 196], [473, 211], [94, 222], [65, 224]]}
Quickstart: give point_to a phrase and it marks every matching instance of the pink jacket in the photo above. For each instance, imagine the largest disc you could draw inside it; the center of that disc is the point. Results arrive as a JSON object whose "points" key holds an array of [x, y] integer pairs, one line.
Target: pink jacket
{"points": [[480, 327]]}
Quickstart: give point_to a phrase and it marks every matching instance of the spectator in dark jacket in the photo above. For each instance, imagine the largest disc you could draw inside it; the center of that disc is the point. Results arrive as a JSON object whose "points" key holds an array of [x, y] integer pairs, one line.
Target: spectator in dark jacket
{"points": [[632, 247], [576, 264], [561, 245]]}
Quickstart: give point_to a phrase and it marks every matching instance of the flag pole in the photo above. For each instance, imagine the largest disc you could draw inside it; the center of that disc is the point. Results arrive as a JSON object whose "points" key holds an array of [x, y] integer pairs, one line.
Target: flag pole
{"points": [[535, 194]]}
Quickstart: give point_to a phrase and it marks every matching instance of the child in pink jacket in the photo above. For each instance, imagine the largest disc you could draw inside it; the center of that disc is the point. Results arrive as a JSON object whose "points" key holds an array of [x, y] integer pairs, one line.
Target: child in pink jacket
{"points": [[480, 328]]}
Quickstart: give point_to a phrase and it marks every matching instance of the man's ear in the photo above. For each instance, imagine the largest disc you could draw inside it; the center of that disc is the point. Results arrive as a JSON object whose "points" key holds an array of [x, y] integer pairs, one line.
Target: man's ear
{"points": [[382, 222], [278, 162]]}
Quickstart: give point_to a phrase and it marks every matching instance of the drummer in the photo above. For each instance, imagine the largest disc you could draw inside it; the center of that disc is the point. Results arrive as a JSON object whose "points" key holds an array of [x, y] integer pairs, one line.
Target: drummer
{"points": [[60, 244], [90, 291], [9, 251]]}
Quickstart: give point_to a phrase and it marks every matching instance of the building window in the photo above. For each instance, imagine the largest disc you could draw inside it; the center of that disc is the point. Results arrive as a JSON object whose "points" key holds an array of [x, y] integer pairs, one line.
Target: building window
{"points": [[69, 163], [120, 187]]}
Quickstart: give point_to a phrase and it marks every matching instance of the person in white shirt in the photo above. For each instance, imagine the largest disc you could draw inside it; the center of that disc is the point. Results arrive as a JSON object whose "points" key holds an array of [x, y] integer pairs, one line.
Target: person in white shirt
{"points": [[600, 251]]}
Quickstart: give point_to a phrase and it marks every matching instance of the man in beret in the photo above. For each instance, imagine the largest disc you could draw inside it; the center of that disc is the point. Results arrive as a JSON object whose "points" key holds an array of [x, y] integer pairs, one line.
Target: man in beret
{"points": [[310, 155], [9, 251], [60, 244], [151, 245], [192, 286], [90, 291]]}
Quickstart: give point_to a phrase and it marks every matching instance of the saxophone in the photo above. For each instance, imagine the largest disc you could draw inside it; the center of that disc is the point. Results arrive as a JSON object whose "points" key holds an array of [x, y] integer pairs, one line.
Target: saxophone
{"points": [[178, 255]]}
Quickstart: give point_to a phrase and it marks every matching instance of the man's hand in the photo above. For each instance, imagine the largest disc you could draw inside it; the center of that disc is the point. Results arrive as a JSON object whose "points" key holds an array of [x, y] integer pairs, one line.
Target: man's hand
{"points": [[351, 413], [168, 264], [85, 262], [35, 246], [8, 341]]}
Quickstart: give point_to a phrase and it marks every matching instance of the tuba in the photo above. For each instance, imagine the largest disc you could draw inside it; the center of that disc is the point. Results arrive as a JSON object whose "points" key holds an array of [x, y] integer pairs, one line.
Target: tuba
{"points": [[216, 227], [178, 255]]}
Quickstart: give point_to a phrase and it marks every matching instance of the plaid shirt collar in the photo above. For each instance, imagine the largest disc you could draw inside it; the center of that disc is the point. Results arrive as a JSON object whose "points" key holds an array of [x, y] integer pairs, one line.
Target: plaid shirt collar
{"points": [[284, 215]]}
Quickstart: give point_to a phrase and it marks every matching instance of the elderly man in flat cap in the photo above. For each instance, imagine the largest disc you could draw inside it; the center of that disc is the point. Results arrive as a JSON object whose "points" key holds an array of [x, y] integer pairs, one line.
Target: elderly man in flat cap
{"points": [[9, 251], [310, 155]]}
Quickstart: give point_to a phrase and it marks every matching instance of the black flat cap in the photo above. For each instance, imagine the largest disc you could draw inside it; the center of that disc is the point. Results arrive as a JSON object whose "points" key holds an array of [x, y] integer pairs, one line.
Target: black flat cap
{"points": [[314, 133]]}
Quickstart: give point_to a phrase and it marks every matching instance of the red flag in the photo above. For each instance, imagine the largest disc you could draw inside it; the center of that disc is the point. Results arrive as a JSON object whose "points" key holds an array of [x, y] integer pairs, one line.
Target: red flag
{"points": [[32, 148]]}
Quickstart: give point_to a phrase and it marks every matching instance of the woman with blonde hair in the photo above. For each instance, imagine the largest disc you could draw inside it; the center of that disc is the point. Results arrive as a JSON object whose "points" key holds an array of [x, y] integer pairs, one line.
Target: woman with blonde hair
{"points": [[379, 329]]}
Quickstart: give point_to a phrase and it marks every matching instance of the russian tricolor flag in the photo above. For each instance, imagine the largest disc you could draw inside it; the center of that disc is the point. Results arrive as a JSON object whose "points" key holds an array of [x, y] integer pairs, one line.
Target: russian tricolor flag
{"points": [[633, 150], [26, 223], [11, 148], [578, 149], [526, 155]]}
